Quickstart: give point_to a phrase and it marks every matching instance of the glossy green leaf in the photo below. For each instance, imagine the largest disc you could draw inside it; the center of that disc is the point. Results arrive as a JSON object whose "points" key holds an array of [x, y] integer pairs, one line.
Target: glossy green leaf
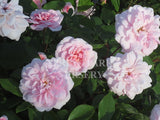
{"points": [[11, 86], [106, 107], [82, 112], [22, 107], [116, 4], [56, 5]]}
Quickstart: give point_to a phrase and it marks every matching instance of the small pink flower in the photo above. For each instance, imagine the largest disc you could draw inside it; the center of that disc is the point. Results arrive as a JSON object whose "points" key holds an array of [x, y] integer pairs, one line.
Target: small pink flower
{"points": [[42, 55], [127, 74], [41, 19], [4, 117], [39, 3], [67, 7], [155, 114], [46, 84], [78, 53], [138, 30]]}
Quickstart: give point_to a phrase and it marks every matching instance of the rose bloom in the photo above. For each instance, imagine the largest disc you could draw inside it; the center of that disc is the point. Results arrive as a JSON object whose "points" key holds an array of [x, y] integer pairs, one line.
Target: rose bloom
{"points": [[67, 7], [39, 3], [78, 53], [137, 29], [127, 74], [41, 19], [46, 83], [4, 117], [155, 114], [12, 19]]}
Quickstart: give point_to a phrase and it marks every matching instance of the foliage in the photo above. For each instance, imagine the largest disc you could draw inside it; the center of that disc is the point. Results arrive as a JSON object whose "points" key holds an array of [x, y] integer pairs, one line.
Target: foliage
{"points": [[91, 98]]}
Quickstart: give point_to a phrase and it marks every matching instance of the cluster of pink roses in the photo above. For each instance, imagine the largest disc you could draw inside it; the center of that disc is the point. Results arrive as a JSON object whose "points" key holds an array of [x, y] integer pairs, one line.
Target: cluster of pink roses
{"points": [[13, 22], [46, 83], [138, 32]]}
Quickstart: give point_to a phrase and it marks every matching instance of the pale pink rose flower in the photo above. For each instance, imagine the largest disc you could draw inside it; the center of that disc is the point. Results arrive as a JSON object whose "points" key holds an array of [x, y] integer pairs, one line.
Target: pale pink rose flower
{"points": [[67, 7], [39, 3], [4, 117], [78, 53], [127, 74], [155, 114], [12, 19], [46, 83], [137, 29], [41, 19]]}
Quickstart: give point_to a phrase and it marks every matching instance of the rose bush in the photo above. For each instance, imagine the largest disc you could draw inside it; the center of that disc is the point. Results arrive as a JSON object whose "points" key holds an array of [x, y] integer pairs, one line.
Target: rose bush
{"points": [[99, 60]]}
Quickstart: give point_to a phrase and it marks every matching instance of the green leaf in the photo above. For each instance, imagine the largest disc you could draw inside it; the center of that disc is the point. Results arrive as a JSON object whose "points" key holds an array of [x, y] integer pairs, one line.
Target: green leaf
{"points": [[34, 114], [22, 107], [50, 116], [84, 5], [157, 69], [149, 61], [97, 46], [97, 20], [131, 112], [116, 4], [106, 107], [11, 86], [107, 15], [62, 114], [71, 1], [56, 5], [92, 85], [126, 108], [156, 88], [82, 112], [77, 80]]}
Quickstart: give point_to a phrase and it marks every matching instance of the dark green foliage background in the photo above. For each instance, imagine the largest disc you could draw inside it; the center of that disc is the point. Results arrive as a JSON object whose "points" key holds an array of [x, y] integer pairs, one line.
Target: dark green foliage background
{"points": [[91, 98]]}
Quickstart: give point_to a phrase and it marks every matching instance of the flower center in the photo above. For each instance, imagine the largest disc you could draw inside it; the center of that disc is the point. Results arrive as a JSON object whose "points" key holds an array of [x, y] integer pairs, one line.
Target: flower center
{"points": [[45, 82], [140, 29], [129, 73]]}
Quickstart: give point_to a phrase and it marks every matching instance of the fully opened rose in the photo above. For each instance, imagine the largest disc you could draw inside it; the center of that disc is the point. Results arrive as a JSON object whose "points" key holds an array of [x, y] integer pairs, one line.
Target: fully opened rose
{"points": [[12, 19], [42, 19], [127, 74], [137, 29], [155, 113], [4, 117], [46, 83], [78, 53]]}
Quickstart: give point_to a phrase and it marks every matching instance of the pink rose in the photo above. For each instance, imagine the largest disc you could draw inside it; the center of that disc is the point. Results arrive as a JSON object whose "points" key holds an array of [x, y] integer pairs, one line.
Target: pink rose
{"points": [[46, 83], [155, 114], [12, 20], [39, 3], [78, 53], [67, 7], [4, 117], [41, 19], [127, 74], [138, 30]]}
